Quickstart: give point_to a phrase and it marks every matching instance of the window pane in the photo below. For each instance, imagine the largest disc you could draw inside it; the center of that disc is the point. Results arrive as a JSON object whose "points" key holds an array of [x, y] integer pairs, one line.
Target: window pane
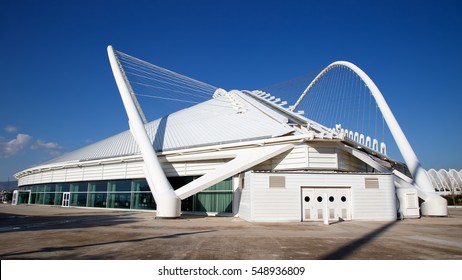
{"points": [[140, 186], [187, 204], [119, 200], [78, 199], [178, 182], [33, 196], [23, 197], [63, 187], [39, 198], [97, 200], [49, 198], [223, 185], [221, 202], [143, 201], [49, 188], [79, 187], [100, 186], [58, 198], [119, 186]]}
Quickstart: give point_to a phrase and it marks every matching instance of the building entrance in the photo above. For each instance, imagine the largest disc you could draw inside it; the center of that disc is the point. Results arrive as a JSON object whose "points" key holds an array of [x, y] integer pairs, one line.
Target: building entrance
{"points": [[314, 202], [66, 198], [20, 197]]}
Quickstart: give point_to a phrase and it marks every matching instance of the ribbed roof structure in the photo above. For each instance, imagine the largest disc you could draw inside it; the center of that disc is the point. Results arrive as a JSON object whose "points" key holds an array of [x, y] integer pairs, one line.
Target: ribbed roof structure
{"points": [[216, 121]]}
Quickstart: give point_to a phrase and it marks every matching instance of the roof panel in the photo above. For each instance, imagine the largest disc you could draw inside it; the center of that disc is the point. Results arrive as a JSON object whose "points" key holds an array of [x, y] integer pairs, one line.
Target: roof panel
{"points": [[212, 122]]}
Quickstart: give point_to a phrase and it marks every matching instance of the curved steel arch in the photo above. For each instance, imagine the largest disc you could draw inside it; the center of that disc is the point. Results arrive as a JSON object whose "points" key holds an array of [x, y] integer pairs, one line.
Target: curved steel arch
{"points": [[446, 179], [434, 176], [457, 179], [433, 204]]}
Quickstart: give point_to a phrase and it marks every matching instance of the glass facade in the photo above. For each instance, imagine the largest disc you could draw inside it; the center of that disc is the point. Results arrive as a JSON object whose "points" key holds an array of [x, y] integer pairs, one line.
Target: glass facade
{"points": [[128, 194]]}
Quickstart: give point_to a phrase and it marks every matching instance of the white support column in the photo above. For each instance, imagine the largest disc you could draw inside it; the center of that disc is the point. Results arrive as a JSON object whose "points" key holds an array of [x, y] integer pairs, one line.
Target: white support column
{"points": [[168, 203]]}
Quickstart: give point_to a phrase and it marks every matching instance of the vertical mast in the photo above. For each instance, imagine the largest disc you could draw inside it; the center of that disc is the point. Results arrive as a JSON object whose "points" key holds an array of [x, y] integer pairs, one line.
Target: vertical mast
{"points": [[168, 203]]}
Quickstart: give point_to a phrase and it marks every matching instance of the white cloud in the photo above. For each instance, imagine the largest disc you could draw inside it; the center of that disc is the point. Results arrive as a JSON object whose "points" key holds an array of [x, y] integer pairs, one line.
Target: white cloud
{"points": [[11, 129], [51, 148], [12, 147], [23, 141]]}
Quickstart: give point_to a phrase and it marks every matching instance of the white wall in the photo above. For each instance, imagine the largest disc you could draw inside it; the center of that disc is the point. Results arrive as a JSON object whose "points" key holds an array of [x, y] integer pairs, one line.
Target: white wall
{"points": [[284, 204], [315, 156], [118, 170]]}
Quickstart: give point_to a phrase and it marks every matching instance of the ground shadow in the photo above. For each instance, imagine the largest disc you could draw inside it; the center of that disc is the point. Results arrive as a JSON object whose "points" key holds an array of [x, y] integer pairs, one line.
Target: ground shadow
{"points": [[21, 223], [348, 249], [71, 248]]}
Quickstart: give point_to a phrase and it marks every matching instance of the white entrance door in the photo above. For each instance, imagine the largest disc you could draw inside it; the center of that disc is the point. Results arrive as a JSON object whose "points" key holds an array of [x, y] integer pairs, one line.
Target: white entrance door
{"points": [[338, 204], [14, 201], [66, 198]]}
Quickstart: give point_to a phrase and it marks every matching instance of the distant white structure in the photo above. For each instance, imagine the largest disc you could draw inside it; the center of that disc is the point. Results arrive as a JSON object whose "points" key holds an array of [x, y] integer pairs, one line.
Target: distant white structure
{"points": [[238, 153], [446, 182]]}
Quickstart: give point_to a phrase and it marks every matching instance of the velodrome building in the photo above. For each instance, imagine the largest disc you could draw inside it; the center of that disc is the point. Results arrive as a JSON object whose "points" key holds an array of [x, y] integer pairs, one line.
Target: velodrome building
{"points": [[240, 153]]}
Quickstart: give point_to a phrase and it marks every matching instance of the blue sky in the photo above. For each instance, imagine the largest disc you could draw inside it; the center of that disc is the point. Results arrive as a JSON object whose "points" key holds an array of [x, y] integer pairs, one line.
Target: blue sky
{"points": [[58, 93]]}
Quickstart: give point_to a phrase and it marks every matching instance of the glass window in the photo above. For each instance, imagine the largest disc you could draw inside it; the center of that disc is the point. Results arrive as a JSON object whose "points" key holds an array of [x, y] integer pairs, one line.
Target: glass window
{"points": [[63, 187], [49, 188], [100, 186], [140, 186], [79, 187], [58, 198], [214, 202], [143, 200], [119, 186], [78, 199], [49, 198], [33, 196], [178, 182], [188, 203], [39, 198], [97, 200], [40, 188], [223, 185], [23, 197], [118, 200]]}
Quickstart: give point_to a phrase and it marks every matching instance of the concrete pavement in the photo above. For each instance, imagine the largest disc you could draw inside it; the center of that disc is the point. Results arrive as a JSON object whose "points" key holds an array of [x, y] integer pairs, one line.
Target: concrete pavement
{"points": [[48, 232]]}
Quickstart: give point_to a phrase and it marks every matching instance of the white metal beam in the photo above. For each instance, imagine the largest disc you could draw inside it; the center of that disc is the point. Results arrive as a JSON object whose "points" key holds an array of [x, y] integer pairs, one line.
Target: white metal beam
{"points": [[168, 203], [244, 159]]}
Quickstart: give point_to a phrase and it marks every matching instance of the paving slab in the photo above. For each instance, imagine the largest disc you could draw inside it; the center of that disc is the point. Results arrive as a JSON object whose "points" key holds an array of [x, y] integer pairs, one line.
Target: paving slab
{"points": [[52, 232]]}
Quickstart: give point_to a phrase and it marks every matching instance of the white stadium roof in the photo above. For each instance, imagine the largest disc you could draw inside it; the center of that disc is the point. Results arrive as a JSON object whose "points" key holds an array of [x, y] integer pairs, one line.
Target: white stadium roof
{"points": [[216, 121]]}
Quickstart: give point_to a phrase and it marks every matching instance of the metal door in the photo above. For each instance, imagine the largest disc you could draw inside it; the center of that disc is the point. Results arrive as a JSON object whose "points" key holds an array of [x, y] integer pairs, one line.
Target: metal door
{"points": [[66, 198], [308, 205], [313, 204]]}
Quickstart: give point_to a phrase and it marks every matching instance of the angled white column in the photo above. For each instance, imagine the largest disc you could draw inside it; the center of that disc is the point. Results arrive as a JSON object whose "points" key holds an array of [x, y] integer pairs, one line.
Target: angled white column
{"points": [[434, 204], [168, 203], [242, 160]]}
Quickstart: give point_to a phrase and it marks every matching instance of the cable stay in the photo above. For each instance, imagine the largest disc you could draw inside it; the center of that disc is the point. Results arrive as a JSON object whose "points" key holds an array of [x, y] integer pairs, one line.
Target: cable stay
{"points": [[146, 80]]}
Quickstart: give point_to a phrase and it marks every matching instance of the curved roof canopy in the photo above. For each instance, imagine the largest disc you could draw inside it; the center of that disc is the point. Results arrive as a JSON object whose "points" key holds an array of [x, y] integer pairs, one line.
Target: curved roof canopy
{"points": [[216, 121]]}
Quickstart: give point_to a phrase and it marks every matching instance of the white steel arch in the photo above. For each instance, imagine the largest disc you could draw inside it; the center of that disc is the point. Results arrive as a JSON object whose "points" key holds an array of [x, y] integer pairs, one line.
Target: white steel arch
{"points": [[436, 180], [457, 180], [434, 205], [446, 179], [433, 179]]}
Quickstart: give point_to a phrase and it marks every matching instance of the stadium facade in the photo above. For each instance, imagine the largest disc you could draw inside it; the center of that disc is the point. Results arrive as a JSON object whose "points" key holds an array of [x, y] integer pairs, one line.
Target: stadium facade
{"points": [[240, 153]]}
